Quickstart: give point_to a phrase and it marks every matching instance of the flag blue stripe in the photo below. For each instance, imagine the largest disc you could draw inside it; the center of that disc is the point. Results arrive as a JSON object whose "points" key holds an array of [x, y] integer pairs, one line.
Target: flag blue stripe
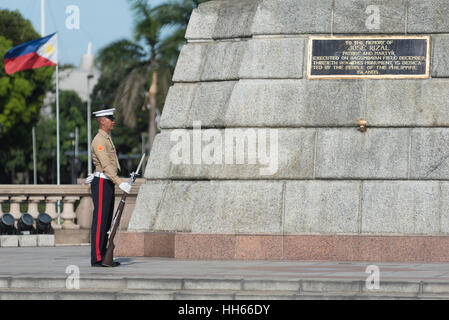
{"points": [[28, 47]]}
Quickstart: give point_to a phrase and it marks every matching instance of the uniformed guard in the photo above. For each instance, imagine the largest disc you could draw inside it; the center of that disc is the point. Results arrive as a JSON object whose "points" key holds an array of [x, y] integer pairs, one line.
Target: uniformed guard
{"points": [[104, 158]]}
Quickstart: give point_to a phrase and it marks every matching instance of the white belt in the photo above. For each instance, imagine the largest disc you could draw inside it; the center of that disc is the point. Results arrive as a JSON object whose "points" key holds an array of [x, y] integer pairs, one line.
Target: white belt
{"points": [[101, 175]]}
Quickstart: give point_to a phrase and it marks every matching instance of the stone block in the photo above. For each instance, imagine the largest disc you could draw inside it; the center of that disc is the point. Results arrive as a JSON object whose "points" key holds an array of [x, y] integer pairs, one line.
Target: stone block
{"points": [[221, 207], [271, 285], [105, 284], [429, 153], [235, 19], [86, 295], [267, 296], [4, 282], [175, 209], [204, 246], [212, 284], [232, 60], [439, 64], [154, 284], [206, 202], [292, 103], [209, 104], [28, 240], [444, 209], [45, 240], [189, 295], [295, 155], [158, 165], [292, 17], [324, 207], [259, 247], [190, 62], [349, 153], [435, 287], [407, 102], [247, 207], [177, 105], [259, 103], [159, 244], [400, 207], [288, 154], [131, 244], [149, 198], [149, 295], [355, 16], [205, 102], [203, 20], [273, 58], [428, 16], [27, 295], [330, 286], [393, 287], [9, 241], [223, 60]]}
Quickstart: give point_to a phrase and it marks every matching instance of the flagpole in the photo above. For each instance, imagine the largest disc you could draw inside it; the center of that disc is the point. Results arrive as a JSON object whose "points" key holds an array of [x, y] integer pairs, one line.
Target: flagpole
{"points": [[34, 155], [43, 17], [58, 177], [34, 129]]}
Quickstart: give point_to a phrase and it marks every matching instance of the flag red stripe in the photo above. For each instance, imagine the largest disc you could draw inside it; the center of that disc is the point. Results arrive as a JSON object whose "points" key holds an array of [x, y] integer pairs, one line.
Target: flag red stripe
{"points": [[26, 61], [100, 209]]}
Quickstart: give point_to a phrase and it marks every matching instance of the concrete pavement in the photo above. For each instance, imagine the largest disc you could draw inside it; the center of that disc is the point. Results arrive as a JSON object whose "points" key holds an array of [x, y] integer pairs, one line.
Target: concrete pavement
{"points": [[42, 272], [53, 261]]}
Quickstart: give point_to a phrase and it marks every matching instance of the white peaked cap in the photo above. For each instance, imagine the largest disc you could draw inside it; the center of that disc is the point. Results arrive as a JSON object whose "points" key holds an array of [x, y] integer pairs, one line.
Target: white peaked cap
{"points": [[104, 113]]}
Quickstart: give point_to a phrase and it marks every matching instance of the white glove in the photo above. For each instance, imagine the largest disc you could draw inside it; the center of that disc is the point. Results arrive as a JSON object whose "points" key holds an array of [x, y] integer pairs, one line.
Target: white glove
{"points": [[89, 178], [125, 186]]}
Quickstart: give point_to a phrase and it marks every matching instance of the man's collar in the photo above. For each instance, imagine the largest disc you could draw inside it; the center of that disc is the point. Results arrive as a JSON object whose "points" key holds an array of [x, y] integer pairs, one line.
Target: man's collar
{"points": [[103, 133]]}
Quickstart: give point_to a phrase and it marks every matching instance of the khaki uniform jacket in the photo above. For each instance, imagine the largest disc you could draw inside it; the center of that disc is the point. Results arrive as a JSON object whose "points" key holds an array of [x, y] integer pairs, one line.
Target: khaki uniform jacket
{"points": [[104, 156]]}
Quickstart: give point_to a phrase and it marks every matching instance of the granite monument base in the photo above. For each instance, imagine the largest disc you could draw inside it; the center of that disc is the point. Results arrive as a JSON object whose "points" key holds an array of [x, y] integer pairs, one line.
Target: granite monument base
{"points": [[179, 245]]}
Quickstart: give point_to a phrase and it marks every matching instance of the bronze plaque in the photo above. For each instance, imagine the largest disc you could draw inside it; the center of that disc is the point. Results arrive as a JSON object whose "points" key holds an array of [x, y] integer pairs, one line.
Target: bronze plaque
{"points": [[376, 57]]}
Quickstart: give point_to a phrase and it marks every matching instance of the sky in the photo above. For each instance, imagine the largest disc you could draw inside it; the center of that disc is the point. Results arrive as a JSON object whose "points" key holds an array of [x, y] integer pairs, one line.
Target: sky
{"points": [[100, 22]]}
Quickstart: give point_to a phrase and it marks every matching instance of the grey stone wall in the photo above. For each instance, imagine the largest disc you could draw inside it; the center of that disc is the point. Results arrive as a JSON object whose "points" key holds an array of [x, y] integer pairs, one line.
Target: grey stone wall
{"points": [[294, 207], [244, 67], [245, 18]]}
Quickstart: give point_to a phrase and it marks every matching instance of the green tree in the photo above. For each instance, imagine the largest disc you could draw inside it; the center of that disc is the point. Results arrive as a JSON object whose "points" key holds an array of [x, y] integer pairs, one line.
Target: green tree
{"points": [[115, 61], [175, 16], [21, 97], [136, 76], [72, 114], [163, 52]]}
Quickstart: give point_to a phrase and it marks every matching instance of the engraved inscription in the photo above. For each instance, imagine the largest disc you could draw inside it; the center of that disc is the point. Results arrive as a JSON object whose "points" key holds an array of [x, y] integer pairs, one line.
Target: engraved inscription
{"points": [[371, 57]]}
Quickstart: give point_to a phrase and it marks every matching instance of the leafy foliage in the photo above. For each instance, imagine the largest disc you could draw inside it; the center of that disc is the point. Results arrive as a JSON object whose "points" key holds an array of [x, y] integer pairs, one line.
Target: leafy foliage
{"points": [[127, 68], [72, 114], [21, 97]]}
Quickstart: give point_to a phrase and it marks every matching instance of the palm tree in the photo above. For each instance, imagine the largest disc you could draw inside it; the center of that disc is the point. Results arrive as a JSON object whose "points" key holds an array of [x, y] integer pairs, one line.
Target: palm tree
{"points": [[150, 62], [116, 61], [175, 15]]}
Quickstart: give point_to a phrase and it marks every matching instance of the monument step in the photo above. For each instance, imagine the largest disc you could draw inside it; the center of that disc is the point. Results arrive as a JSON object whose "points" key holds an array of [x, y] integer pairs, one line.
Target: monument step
{"points": [[113, 288], [111, 294]]}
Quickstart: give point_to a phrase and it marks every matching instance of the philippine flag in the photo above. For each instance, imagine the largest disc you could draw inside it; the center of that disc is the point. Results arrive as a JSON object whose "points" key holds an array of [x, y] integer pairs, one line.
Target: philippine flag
{"points": [[32, 55]]}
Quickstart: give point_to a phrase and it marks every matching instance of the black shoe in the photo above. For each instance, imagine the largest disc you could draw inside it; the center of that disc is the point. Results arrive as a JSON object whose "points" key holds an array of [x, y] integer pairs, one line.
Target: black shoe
{"points": [[114, 264], [97, 265]]}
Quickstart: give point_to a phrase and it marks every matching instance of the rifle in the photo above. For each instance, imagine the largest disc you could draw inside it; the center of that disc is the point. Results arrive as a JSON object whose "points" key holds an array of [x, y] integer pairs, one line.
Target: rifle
{"points": [[108, 259]]}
